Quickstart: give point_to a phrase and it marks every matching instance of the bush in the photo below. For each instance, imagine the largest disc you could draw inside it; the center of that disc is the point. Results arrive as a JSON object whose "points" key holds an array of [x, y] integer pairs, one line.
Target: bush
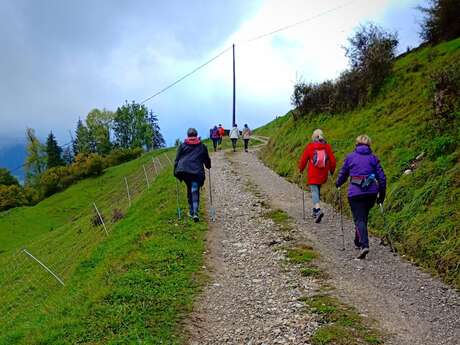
{"points": [[119, 156], [446, 92], [11, 196], [6, 178]]}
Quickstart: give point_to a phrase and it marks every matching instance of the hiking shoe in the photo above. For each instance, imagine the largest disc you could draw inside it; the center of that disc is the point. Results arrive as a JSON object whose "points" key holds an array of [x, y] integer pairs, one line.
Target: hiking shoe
{"points": [[363, 253], [319, 215], [196, 219]]}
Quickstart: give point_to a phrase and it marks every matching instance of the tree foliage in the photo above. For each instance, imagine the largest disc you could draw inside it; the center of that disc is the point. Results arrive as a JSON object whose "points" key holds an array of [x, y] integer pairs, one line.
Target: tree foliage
{"points": [[99, 123], [7, 179], [53, 152], [441, 22], [82, 143], [157, 140], [35, 163], [371, 52]]}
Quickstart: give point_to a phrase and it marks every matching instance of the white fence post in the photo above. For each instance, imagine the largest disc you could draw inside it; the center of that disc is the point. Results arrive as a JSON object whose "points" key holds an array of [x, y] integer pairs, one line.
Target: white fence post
{"points": [[159, 163], [169, 160], [127, 191], [155, 167], [102, 220], [44, 266], [146, 177]]}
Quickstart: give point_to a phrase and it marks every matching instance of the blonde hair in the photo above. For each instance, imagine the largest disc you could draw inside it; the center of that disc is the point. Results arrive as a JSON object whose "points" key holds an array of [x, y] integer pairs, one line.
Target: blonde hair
{"points": [[364, 140], [317, 135]]}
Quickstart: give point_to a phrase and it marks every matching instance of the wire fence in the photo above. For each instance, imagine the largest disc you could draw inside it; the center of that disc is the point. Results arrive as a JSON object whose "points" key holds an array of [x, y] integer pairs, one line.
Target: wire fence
{"points": [[29, 276]]}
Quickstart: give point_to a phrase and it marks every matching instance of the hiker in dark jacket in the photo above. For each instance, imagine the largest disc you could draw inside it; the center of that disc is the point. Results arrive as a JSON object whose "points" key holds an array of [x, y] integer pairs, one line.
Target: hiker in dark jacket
{"points": [[192, 156], [321, 162], [367, 184]]}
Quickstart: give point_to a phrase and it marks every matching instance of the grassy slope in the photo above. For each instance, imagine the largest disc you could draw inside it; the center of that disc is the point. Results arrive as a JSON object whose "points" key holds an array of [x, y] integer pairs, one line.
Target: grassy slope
{"points": [[132, 287], [423, 207], [23, 224]]}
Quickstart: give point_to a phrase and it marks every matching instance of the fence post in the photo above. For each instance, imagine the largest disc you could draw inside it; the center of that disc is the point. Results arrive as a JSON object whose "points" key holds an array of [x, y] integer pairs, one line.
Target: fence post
{"points": [[44, 266], [155, 167], [159, 163], [169, 159], [146, 177], [102, 220], [127, 191]]}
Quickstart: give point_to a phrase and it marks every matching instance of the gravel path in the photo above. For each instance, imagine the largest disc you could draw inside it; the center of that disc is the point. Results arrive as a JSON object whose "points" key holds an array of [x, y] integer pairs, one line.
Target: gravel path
{"points": [[414, 307], [253, 297]]}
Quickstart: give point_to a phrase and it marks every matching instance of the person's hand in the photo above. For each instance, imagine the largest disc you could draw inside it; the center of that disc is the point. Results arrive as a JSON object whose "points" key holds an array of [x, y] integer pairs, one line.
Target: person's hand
{"points": [[381, 198]]}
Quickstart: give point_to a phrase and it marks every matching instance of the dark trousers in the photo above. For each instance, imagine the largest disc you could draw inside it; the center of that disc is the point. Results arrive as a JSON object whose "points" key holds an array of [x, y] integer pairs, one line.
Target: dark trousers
{"points": [[214, 144], [246, 144], [360, 207], [193, 196], [234, 144]]}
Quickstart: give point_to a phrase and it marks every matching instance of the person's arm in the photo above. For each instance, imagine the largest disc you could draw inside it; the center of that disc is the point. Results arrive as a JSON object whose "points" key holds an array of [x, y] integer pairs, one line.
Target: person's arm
{"points": [[206, 158], [382, 180], [332, 160], [343, 173], [304, 159], [178, 156]]}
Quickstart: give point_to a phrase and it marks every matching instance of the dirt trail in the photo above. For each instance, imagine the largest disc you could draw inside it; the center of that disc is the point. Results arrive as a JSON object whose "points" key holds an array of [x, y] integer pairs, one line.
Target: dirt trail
{"points": [[252, 298]]}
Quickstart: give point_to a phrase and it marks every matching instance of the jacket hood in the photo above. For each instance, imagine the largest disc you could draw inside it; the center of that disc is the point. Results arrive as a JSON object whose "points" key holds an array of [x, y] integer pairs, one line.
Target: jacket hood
{"points": [[319, 144], [363, 149], [192, 141]]}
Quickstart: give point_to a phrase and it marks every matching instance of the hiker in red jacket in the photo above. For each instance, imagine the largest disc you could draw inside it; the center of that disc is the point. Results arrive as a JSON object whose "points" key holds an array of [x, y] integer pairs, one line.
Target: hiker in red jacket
{"points": [[321, 161]]}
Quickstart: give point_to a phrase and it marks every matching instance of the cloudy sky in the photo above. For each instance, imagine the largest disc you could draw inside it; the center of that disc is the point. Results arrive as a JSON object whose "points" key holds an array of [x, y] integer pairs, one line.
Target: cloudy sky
{"points": [[61, 58]]}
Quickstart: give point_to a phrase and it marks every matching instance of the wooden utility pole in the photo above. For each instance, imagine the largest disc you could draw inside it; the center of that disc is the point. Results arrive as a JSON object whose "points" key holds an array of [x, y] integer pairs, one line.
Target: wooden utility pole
{"points": [[234, 89]]}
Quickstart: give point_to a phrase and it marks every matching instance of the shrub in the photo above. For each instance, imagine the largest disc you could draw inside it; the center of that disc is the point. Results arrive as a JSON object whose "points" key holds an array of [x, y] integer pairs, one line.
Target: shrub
{"points": [[119, 156], [6, 178], [11, 196]]}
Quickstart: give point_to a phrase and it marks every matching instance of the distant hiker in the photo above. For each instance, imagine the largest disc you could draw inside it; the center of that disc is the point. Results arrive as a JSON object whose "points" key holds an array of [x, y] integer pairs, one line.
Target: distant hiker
{"points": [[215, 136], [246, 137], [320, 159], [367, 184], [221, 134], [191, 158], [234, 135]]}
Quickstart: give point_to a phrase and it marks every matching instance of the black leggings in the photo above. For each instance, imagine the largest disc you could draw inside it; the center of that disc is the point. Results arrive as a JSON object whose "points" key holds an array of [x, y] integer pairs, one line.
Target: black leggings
{"points": [[360, 207], [234, 144], [246, 144], [214, 144]]}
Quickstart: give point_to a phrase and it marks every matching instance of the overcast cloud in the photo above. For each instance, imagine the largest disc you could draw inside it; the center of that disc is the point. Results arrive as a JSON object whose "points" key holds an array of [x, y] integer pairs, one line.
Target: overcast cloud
{"points": [[59, 59]]}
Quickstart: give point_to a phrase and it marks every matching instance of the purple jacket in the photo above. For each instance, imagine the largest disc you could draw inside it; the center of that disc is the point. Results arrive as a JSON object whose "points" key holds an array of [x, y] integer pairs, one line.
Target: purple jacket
{"points": [[362, 162]]}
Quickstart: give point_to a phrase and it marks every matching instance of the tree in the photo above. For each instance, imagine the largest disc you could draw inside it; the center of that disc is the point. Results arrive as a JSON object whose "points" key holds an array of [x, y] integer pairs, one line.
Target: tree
{"points": [[131, 126], [7, 179], [441, 22], [53, 151], [157, 141], [371, 51], [67, 156], [35, 163], [82, 142], [99, 123]]}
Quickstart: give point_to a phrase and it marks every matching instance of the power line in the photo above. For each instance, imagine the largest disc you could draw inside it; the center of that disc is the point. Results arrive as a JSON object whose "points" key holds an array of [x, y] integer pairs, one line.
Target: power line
{"points": [[247, 41]]}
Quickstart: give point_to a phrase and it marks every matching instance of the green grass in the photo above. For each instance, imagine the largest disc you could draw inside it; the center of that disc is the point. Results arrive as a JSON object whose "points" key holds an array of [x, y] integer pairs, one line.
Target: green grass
{"points": [[423, 208], [301, 254], [342, 324], [133, 286], [280, 218]]}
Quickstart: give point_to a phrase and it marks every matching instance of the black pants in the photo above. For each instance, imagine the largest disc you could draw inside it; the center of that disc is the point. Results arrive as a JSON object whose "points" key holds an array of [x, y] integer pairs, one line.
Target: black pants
{"points": [[214, 144], [246, 144], [234, 144], [193, 196], [360, 207]]}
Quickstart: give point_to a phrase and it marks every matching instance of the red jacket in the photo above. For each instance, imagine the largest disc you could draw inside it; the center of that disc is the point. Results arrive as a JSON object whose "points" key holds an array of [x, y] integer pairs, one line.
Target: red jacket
{"points": [[317, 175]]}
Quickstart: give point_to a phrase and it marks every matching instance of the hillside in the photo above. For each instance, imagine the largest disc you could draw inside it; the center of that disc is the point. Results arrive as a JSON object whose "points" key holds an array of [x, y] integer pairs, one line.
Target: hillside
{"points": [[131, 284], [423, 207]]}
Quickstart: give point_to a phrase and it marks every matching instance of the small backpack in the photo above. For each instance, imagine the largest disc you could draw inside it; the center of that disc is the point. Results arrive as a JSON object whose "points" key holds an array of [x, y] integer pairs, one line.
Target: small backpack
{"points": [[320, 158], [215, 133]]}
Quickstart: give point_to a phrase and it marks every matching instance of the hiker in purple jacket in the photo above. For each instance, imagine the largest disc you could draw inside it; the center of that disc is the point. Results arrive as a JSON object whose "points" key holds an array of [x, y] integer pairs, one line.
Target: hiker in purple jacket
{"points": [[367, 184]]}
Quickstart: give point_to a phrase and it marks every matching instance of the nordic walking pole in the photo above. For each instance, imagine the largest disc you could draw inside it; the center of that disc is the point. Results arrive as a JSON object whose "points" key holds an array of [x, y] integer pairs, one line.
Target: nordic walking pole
{"points": [[303, 196], [341, 218], [213, 211], [387, 231]]}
